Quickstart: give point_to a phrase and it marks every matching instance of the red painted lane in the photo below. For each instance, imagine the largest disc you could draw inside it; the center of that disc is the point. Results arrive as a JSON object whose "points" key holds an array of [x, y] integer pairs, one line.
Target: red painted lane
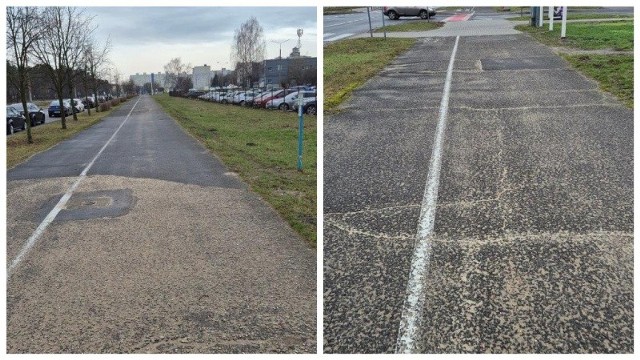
{"points": [[458, 17]]}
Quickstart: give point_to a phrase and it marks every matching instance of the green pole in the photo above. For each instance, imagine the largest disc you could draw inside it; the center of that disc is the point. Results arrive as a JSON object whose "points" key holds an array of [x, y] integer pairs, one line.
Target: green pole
{"points": [[300, 130]]}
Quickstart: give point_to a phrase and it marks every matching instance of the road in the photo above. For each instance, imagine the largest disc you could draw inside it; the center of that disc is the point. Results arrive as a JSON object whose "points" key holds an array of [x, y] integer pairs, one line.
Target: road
{"points": [[158, 249], [342, 26], [526, 244]]}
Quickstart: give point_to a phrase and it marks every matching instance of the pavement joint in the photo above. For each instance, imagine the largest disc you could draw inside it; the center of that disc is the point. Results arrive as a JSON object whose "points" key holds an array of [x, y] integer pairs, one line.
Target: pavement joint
{"points": [[355, 231]]}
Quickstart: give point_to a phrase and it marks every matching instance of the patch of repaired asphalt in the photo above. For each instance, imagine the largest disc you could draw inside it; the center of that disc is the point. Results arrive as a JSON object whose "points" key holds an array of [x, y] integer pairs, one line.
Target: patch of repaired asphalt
{"points": [[204, 270]]}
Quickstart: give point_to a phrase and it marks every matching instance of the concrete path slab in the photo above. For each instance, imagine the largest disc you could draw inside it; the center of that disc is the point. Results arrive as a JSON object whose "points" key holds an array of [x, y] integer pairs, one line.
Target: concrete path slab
{"points": [[533, 240]]}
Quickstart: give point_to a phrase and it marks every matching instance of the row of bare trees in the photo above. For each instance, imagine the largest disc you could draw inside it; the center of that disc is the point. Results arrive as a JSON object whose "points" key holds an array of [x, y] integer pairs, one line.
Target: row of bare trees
{"points": [[61, 40]]}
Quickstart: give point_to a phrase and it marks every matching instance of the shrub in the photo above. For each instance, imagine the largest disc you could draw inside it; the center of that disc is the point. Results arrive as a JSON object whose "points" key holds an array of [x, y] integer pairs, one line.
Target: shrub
{"points": [[105, 106]]}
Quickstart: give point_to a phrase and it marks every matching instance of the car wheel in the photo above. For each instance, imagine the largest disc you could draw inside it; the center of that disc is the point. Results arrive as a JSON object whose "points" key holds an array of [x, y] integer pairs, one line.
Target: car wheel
{"points": [[10, 129], [311, 109], [241, 103], [424, 14], [24, 126], [283, 107], [392, 15]]}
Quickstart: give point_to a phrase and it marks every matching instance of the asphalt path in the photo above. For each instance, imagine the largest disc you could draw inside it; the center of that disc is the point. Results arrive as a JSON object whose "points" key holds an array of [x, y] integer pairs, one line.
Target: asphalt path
{"points": [[159, 249], [532, 248]]}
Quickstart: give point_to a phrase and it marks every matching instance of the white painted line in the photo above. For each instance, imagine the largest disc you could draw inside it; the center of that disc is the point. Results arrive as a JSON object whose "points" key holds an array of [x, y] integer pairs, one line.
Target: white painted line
{"points": [[61, 203], [416, 292], [338, 37]]}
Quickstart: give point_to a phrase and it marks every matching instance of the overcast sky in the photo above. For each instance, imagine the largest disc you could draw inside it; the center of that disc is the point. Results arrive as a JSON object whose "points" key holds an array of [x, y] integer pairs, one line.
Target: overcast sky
{"points": [[144, 39]]}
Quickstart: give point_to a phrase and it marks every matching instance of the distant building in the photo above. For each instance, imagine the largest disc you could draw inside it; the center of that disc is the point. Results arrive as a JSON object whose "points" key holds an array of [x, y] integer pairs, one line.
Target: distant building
{"points": [[293, 70], [201, 77], [138, 79]]}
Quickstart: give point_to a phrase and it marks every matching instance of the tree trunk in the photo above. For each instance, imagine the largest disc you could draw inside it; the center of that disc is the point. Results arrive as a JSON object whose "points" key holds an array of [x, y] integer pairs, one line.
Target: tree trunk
{"points": [[63, 118], [73, 108], [23, 99]]}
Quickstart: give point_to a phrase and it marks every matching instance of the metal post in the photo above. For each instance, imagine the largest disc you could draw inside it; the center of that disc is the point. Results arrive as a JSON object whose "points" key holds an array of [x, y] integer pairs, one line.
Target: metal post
{"points": [[300, 129], [563, 30], [540, 15], [369, 15], [551, 15], [383, 25]]}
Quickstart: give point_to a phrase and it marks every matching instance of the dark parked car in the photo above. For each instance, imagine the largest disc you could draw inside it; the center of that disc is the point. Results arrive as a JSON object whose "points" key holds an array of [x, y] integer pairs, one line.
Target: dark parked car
{"points": [[88, 102], [394, 12], [55, 110], [36, 114], [15, 121]]}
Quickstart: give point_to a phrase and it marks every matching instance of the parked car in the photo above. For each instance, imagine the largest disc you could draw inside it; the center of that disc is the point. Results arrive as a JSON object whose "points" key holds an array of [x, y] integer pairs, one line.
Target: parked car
{"points": [[15, 121], [308, 99], [88, 102], [395, 12], [289, 100], [271, 95], [78, 105], [36, 115], [56, 110]]}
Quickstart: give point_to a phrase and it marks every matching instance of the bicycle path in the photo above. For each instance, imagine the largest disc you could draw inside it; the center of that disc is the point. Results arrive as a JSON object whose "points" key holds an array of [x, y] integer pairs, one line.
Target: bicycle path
{"points": [[532, 250], [159, 249]]}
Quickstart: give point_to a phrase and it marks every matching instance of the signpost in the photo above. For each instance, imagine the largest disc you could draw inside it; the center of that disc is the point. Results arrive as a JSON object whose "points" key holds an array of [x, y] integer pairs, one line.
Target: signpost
{"points": [[563, 29], [300, 129]]}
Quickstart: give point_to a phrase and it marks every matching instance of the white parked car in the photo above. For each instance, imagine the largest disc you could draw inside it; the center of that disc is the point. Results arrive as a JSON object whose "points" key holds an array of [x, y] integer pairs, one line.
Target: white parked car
{"points": [[289, 100], [78, 105]]}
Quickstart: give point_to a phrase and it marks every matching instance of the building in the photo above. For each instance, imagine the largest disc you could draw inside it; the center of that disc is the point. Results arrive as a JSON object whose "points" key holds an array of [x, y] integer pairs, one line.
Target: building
{"points": [[141, 79], [294, 70], [201, 77]]}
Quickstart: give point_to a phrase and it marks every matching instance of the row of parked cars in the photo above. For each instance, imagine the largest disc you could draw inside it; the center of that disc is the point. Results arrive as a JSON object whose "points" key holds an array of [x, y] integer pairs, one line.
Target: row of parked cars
{"points": [[16, 120], [282, 99]]}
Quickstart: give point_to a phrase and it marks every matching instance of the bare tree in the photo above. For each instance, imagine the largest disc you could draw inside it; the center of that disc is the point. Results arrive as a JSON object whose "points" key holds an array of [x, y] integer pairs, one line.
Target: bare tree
{"points": [[79, 31], [116, 80], [248, 48], [95, 58], [175, 71], [51, 46], [24, 28]]}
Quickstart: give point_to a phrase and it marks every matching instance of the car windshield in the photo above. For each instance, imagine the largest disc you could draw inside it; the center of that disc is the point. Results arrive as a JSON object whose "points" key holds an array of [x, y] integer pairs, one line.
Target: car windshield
{"points": [[55, 103]]}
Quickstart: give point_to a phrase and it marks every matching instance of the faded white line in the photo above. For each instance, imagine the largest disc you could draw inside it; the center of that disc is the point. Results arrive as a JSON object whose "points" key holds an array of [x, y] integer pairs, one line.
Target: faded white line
{"points": [[416, 292], [61, 203], [338, 37]]}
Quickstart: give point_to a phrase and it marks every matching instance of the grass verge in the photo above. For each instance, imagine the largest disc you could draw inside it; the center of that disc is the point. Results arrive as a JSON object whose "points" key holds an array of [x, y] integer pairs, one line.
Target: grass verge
{"points": [[332, 10], [261, 146], [576, 16], [411, 26], [48, 135], [613, 72], [617, 35], [349, 63]]}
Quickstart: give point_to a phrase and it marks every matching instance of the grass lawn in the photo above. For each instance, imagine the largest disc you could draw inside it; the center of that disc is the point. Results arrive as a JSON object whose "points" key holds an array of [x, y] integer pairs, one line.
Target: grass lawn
{"points": [[261, 146], [349, 63], [48, 135], [613, 72], [575, 16], [412, 26], [617, 35], [338, 10]]}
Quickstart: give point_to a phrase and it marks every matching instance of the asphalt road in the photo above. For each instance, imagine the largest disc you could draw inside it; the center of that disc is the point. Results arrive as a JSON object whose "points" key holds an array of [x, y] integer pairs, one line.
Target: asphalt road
{"points": [[341, 26], [532, 248], [159, 249]]}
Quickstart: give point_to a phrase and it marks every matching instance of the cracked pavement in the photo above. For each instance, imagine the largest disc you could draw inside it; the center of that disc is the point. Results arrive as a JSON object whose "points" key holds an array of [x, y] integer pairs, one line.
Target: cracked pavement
{"points": [[533, 245]]}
